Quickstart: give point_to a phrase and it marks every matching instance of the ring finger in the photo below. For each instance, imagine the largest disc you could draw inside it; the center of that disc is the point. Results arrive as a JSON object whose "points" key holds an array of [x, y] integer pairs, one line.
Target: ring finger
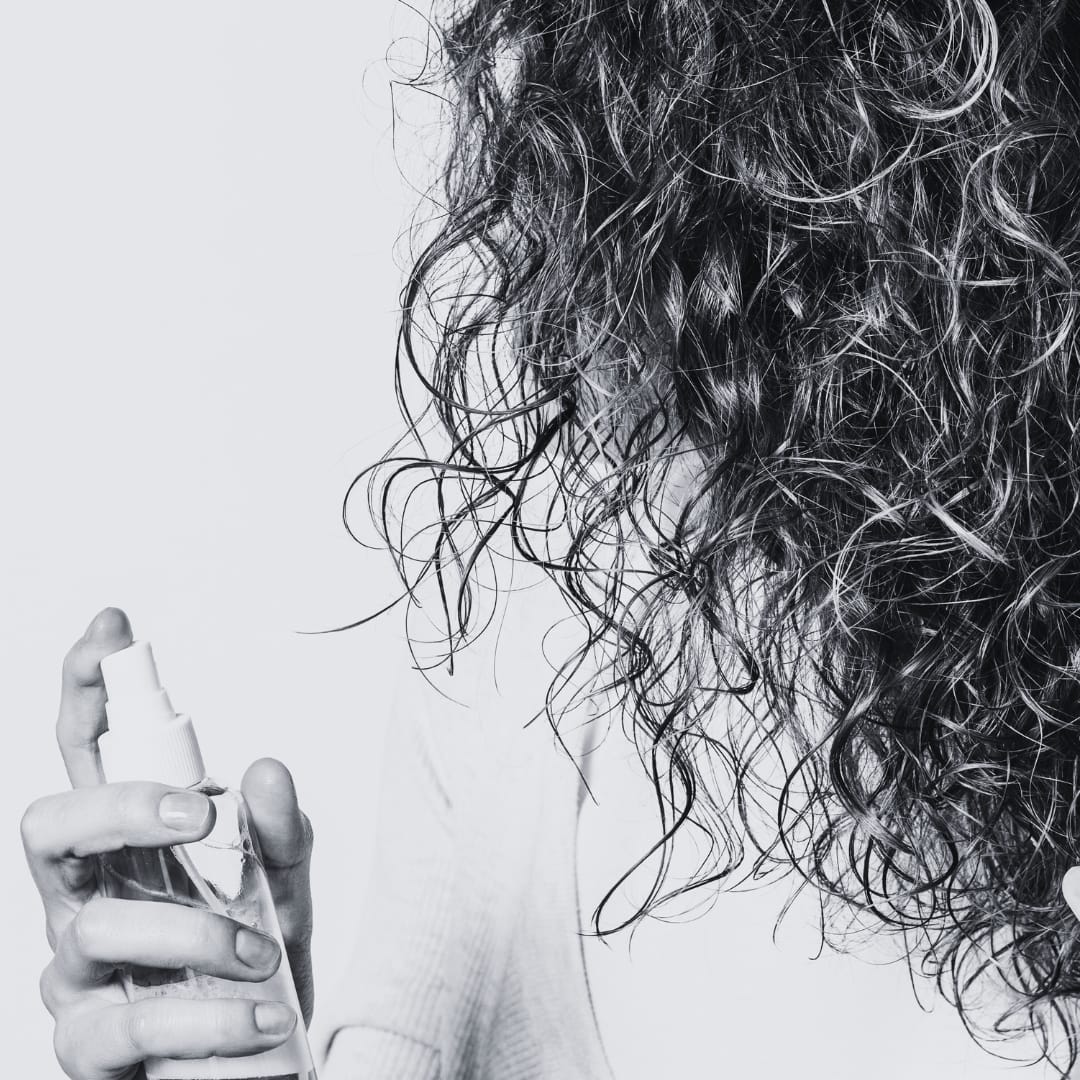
{"points": [[109, 932]]}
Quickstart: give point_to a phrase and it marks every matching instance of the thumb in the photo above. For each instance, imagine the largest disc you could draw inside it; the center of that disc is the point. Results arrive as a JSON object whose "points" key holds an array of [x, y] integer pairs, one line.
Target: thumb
{"points": [[285, 839], [284, 833]]}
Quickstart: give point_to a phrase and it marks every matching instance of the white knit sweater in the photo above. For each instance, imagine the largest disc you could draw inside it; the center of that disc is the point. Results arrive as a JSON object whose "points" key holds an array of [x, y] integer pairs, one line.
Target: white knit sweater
{"points": [[469, 963]]}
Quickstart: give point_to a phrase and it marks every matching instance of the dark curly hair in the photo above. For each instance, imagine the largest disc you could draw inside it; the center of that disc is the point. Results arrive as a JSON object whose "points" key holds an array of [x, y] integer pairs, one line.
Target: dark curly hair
{"points": [[754, 325]]}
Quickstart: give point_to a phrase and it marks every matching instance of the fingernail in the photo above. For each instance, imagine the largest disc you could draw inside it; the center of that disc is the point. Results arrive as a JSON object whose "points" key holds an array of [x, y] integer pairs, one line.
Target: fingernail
{"points": [[184, 810], [255, 949], [273, 1018]]}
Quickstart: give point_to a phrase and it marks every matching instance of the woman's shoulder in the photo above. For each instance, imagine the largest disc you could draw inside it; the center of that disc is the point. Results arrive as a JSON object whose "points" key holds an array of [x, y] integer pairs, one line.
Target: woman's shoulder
{"points": [[470, 945]]}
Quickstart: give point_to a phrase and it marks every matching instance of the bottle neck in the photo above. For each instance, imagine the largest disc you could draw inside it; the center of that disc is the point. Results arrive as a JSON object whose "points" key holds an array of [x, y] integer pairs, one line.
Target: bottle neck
{"points": [[209, 786], [167, 752]]}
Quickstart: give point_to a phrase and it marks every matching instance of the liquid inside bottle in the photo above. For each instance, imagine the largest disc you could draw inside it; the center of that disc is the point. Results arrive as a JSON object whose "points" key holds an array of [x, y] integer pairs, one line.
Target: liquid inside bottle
{"points": [[222, 873]]}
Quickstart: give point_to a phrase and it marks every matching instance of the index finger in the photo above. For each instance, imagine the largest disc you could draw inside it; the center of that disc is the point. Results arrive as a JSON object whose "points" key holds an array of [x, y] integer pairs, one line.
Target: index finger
{"points": [[81, 719]]}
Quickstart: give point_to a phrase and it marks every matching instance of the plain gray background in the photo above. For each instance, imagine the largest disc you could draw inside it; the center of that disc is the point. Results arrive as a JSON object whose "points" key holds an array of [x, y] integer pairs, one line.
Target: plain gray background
{"points": [[200, 203], [200, 206]]}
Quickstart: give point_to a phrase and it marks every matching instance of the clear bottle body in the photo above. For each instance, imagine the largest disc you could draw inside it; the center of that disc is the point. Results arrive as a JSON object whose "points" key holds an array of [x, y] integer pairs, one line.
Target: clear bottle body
{"points": [[223, 873]]}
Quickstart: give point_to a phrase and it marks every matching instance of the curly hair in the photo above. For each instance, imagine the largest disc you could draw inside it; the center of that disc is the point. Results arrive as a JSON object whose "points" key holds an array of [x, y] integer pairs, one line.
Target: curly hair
{"points": [[754, 326]]}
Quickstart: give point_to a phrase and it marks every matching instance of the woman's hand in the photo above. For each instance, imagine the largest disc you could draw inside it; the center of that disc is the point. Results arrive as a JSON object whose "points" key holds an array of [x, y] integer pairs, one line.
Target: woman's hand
{"points": [[99, 1034]]}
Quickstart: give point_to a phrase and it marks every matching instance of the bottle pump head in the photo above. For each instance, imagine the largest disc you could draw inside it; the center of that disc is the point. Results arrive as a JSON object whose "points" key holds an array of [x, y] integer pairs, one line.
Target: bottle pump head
{"points": [[146, 739]]}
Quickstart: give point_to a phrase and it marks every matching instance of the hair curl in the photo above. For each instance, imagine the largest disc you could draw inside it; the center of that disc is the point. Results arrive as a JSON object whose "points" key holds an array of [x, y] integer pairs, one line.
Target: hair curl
{"points": [[755, 326]]}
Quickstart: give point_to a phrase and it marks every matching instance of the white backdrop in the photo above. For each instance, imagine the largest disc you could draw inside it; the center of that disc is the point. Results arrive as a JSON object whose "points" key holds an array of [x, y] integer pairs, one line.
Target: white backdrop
{"points": [[199, 207]]}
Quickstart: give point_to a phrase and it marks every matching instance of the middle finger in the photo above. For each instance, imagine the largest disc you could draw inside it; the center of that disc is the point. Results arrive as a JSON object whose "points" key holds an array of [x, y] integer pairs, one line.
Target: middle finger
{"points": [[109, 932]]}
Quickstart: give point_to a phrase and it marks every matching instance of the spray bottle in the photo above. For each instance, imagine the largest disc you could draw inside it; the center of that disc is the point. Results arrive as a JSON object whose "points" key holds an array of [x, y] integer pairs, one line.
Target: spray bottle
{"points": [[222, 873]]}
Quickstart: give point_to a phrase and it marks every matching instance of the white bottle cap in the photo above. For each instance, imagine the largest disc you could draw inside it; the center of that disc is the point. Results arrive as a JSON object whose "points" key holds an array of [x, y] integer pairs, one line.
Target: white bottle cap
{"points": [[146, 739]]}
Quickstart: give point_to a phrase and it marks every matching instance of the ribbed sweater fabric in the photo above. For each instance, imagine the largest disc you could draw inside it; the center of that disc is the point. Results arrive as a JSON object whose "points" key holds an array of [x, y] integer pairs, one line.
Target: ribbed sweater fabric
{"points": [[468, 962]]}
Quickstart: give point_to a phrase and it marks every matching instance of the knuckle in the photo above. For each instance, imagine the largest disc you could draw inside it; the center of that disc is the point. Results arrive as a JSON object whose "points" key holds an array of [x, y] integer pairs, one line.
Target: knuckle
{"points": [[47, 988], [210, 934], [136, 804], [309, 832], [296, 922], [222, 1025], [32, 822], [90, 926], [72, 658], [66, 1044], [128, 801], [136, 1026], [76, 933], [188, 936]]}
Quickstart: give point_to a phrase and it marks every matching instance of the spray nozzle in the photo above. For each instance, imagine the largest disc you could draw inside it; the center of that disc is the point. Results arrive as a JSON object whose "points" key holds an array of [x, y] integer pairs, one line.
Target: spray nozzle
{"points": [[133, 687], [146, 739]]}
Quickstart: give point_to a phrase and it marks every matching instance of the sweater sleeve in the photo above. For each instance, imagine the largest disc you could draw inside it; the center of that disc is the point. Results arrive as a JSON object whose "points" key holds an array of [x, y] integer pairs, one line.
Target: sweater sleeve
{"points": [[387, 1012], [468, 962]]}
